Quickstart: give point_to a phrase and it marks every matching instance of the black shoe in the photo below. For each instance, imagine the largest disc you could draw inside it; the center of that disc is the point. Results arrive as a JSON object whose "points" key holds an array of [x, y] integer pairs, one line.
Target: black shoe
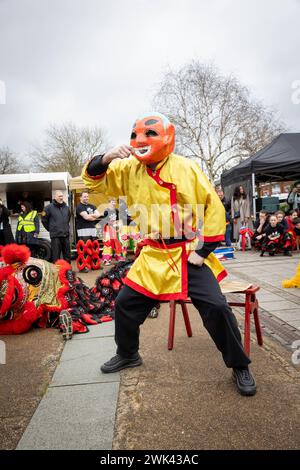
{"points": [[287, 253], [262, 254], [118, 362], [244, 381]]}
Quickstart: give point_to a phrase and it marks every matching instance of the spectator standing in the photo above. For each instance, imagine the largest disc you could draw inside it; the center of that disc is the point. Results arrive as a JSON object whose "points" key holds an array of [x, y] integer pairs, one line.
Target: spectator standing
{"points": [[28, 227], [86, 219], [294, 197], [56, 220], [112, 245], [227, 207], [6, 235], [240, 211]]}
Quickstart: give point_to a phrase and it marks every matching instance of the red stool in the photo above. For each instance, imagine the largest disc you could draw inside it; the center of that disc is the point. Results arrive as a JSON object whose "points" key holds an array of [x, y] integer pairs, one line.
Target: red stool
{"points": [[251, 308]]}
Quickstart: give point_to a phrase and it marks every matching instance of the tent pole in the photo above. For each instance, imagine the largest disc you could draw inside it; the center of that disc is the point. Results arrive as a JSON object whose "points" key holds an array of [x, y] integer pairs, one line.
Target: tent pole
{"points": [[253, 196]]}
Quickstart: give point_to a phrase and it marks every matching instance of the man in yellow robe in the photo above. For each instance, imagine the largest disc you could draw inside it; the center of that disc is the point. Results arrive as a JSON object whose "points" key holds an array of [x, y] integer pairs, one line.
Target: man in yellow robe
{"points": [[181, 220]]}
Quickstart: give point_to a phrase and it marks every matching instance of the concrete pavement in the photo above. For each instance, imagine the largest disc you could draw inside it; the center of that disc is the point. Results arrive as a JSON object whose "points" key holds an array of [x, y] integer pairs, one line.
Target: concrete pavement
{"points": [[78, 410], [269, 272]]}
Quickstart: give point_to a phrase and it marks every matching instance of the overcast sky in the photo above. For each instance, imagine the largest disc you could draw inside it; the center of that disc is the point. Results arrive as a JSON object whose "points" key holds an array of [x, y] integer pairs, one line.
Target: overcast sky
{"points": [[99, 61]]}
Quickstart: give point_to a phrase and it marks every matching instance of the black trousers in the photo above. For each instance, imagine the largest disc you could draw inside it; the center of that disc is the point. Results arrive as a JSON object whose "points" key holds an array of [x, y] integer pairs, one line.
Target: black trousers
{"points": [[60, 247], [132, 308]]}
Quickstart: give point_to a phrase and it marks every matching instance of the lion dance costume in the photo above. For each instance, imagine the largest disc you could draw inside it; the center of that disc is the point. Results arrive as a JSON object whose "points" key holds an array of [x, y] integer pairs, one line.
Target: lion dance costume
{"points": [[33, 291]]}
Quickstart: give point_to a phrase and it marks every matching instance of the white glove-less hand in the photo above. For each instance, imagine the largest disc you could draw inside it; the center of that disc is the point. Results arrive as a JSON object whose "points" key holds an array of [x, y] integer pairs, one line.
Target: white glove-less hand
{"points": [[195, 259], [122, 151]]}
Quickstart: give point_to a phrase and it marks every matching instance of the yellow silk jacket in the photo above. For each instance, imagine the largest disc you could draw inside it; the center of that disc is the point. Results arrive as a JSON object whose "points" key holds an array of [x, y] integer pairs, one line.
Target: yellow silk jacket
{"points": [[173, 200]]}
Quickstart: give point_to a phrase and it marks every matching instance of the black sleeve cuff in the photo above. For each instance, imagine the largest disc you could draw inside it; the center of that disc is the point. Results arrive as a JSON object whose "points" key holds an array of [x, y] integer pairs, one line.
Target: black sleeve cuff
{"points": [[206, 249], [96, 167]]}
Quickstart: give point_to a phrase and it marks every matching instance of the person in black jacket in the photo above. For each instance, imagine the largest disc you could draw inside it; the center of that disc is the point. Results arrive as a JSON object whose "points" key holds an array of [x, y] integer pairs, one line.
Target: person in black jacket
{"points": [[6, 235], [227, 207], [56, 218]]}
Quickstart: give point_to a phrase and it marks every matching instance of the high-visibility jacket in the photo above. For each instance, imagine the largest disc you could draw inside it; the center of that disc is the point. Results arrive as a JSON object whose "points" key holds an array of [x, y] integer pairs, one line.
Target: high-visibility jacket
{"points": [[27, 222]]}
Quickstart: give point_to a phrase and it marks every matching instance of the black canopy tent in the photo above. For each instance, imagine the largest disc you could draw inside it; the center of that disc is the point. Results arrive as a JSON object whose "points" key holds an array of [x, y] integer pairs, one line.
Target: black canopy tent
{"points": [[278, 161]]}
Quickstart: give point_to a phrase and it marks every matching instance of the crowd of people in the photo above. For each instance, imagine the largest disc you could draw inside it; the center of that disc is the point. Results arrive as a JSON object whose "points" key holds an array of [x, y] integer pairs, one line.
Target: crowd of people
{"points": [[272, 232], [275, 233]]}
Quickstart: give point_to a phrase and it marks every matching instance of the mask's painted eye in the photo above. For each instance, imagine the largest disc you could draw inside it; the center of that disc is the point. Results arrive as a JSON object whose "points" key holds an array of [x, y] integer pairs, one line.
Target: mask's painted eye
{"points": [[133, 135], [32, 275], [151, 133]]}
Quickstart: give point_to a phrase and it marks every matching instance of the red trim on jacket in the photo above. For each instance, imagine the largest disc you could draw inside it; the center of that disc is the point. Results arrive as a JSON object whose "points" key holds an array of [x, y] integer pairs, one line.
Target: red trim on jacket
{"points": [[154, 174], [214, 238], [142, 290], [222, 274], [183, 294]]}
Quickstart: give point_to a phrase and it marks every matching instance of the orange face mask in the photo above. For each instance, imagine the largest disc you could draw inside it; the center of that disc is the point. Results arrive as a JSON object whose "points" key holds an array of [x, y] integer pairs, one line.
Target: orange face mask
{"points": [[151, 140]]}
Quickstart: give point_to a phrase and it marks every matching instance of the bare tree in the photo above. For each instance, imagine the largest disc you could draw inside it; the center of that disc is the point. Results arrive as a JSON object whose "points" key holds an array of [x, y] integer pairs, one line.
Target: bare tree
{"points": [[217, 121], [8, 162], [67, 147]]}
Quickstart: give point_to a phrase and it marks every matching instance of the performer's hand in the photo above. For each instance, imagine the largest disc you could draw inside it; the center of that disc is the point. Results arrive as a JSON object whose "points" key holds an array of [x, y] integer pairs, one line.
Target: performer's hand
{"points": [[122, 151], [195, 259]]}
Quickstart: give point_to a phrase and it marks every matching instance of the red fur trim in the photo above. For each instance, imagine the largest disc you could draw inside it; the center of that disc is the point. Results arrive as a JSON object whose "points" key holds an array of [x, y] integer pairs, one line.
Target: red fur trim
{"points": [[6, 274], [14, 253], [65, 265], [21, 324]]}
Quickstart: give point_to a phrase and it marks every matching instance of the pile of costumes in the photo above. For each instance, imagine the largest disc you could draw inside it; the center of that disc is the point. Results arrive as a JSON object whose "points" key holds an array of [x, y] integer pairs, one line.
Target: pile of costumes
{"points": [[88, 255], [35, 292]]}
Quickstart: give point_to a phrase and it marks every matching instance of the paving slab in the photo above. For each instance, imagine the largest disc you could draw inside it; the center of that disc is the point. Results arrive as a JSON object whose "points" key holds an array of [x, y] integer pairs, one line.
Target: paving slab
{"points": [[81, 360], [295, 323], [279, 305], [287, 315], [265, 296], [73, 418], [97, 331]]}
